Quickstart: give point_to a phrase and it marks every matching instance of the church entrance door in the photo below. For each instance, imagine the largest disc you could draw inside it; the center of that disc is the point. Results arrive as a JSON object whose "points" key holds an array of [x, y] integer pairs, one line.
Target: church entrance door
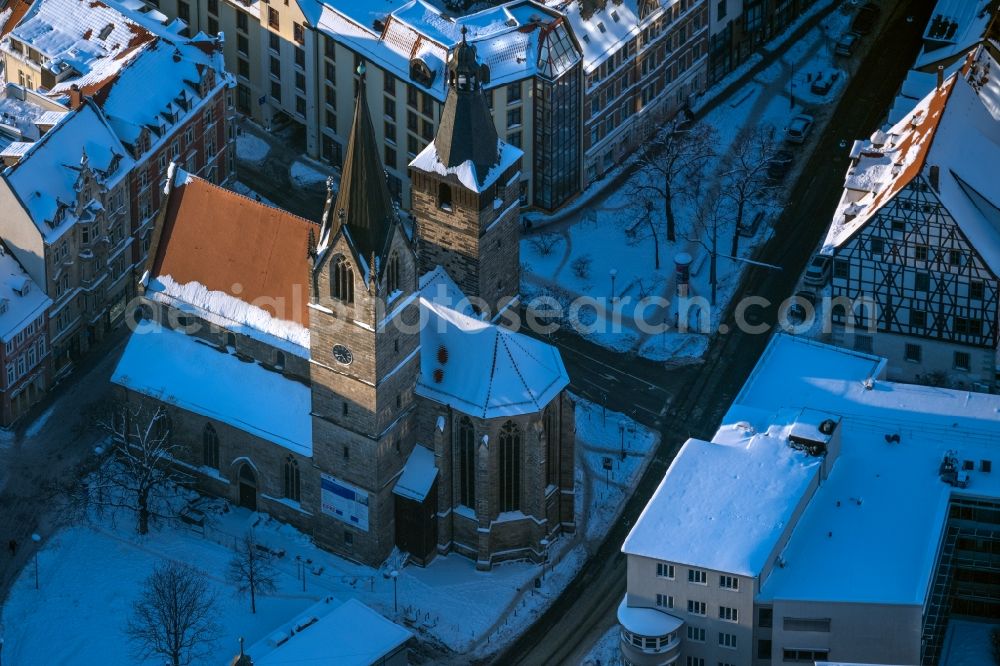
{"points": [[248, 488]]}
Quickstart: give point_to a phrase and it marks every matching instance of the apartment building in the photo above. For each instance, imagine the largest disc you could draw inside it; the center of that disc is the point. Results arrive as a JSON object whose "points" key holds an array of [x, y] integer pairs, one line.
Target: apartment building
{"points": [[740, 27], [24, 331], [915, 234], [575, 85], [784, 539]]}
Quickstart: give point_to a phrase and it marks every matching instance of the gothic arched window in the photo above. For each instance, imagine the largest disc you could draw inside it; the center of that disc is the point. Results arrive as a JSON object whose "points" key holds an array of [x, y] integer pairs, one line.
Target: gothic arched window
{"points": [[392, 274], [292, 487], [466, 463], [342, 284], [444, 196], [510, 467], [210, 446]]}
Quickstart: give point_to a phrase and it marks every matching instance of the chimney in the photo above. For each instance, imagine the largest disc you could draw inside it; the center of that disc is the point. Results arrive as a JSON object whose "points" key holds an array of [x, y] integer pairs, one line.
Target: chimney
{"points": [[935, 177], [75, 97], [940, 80]]}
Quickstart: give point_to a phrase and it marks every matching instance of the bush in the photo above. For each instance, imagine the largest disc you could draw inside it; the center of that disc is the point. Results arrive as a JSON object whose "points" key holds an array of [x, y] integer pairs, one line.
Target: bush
{"points": [[545, 243]]}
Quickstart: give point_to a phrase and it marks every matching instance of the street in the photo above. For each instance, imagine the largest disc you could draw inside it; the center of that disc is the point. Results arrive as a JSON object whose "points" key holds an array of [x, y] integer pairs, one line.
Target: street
{"points": [[587, 607]]}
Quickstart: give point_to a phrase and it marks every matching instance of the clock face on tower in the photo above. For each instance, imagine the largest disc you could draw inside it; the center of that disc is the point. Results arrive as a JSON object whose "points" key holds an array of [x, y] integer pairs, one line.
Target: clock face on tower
{"points": [[342, 354]]}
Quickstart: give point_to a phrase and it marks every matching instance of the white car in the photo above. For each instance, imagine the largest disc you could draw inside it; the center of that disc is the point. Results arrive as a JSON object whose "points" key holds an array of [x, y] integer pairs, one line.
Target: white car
{"points": [[798, 129], [818, 271]]}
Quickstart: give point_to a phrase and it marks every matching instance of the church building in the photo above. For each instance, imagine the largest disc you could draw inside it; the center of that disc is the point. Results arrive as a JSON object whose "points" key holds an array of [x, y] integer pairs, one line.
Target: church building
{"points": [[345, 377]]}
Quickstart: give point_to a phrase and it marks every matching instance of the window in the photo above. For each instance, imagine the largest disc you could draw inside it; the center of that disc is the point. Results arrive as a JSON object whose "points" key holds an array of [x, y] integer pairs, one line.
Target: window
{"points": [[914, 353], [920, 252], [276, 91], [840, 268], [962, 361], [210, 446], [392, 274], [968, 326], [292, 481], [877, 245], [272, 18], [863, 343], [806, 624], [347, 453], [279, 360], [390, 158], [729, 614], [342, 284], [213, 26], [514, 117], [696, 607], [664, 570], [300, 81], [241, 21], [720, 10], [977, 290], [514, 139], [389, 108], [922, 282], [344, 409], [729, 582], [698, 576], [466, 463], [765, 619], [348, 538], [184, 12], [274, 43], [444, 196], [695, 661], [898, 225], [696, 634], [955, 257], [510, 467], [514, 93], [764, 648], [727, 640], [299, 33], [389, 83], [804, 656], [918, 318], [664, 601]]}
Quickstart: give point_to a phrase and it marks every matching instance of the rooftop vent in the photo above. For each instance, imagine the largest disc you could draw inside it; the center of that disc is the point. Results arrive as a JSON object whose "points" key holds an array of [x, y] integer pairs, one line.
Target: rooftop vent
{"points": [[378, 25], [949, 473], [442, 354], [985, 465], [438, 375], [105, 31]]}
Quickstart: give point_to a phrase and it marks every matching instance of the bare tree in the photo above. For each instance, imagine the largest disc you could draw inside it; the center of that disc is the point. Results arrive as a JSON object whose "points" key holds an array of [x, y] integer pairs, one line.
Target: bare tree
{"points": [[669, 170], [175, 616], [705, 231], [252, 570], [746, 179], [138, 476]]}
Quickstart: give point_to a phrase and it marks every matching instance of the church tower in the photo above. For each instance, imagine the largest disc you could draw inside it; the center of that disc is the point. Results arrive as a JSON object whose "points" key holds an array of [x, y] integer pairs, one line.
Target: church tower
{"points": [[364, 348], [466, 191]]}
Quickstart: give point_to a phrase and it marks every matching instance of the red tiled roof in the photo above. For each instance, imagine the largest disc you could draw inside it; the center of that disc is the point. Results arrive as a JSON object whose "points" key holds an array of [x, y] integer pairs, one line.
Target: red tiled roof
{"points": [[231, 243], [18, 9]]}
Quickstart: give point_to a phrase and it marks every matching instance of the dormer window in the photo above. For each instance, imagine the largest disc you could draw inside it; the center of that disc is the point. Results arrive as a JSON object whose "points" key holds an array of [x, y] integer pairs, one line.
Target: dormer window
{"points": [[105, 31], [4, 304], [421, 73]]}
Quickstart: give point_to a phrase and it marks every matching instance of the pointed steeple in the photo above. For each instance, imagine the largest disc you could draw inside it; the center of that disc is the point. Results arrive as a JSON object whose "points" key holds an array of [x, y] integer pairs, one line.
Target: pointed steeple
{"points": [[467, 132], [363, 203]]}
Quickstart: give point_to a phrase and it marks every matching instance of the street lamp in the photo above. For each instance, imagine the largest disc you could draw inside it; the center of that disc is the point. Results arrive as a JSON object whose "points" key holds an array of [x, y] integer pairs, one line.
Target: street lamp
{"points": [[544, 543], [37, 539], [613, 273], [395, 577], [621, 431]]}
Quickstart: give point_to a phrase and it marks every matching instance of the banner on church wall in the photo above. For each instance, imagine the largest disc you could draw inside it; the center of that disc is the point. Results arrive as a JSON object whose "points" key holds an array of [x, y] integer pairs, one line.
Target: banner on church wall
{"points": [[344, 502]]}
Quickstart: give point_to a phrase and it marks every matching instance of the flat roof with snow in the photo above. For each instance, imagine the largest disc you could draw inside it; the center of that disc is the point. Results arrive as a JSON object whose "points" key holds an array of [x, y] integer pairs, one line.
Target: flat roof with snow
{"points": [[181, 370]]}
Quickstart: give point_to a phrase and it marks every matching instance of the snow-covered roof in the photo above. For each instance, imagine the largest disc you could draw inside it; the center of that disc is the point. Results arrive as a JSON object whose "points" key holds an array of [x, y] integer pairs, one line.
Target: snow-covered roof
{"points": [[89, 36], [21, 301], [724, 505], [955, 27], [482, 369], [852, 530], [956, 128], [184, 371], [418, 474], [45, 178], [647, 621], [352, 634], [177, 67], [515, 40], [507, 156], [21, 111], [607, 29]]}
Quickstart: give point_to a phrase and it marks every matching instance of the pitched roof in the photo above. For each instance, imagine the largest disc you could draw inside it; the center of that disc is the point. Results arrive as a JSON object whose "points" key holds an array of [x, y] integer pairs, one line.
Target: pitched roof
{"points": [[232, 245], [364, 207], [484, 370], [12, 15]]}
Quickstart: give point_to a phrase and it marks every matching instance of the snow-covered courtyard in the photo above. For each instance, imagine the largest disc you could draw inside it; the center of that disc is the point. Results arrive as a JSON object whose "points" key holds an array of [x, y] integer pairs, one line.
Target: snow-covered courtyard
{"points": [[94, 570]]}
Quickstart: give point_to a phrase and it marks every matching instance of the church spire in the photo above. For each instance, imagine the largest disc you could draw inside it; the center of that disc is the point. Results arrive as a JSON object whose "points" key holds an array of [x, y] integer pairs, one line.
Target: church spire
{"points": [[467, 132], [363, 205]]}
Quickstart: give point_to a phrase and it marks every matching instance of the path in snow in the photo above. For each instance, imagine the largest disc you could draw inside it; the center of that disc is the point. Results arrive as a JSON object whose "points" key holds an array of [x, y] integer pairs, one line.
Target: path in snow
{"points": [[250, 148]]}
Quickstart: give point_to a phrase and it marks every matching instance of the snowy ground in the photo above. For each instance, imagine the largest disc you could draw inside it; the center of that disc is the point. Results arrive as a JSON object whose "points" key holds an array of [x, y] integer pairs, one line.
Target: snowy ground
{"points": [[605, 651], [91, 572], [305, 174], [250, 148], [573, 260]]}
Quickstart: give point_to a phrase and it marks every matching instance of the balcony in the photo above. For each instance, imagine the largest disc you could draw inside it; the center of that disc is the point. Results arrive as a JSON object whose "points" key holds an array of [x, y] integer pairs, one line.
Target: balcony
{"points": [[649, 637]]}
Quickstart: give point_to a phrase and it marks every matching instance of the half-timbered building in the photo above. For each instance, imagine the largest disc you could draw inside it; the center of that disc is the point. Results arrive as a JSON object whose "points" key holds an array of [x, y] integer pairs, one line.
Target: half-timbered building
{"points": [[917, 234]]}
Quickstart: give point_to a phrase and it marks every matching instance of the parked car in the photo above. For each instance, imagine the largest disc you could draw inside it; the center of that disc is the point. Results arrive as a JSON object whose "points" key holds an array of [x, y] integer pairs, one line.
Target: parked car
{"points": [[798, 129], [818, 271], [748, 229], [865, 19], [806, 295], [823, 82], [845, 47], [779, 165]]}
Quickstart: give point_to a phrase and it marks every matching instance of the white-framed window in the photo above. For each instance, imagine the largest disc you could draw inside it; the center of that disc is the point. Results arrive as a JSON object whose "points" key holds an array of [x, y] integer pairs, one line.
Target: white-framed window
{"points": [[696, 634], [696, 607], [11, 375], [695, 661], [727, 640], [699, 576], [729, 614], [664, 601], [729, 582], [664, 570]]}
